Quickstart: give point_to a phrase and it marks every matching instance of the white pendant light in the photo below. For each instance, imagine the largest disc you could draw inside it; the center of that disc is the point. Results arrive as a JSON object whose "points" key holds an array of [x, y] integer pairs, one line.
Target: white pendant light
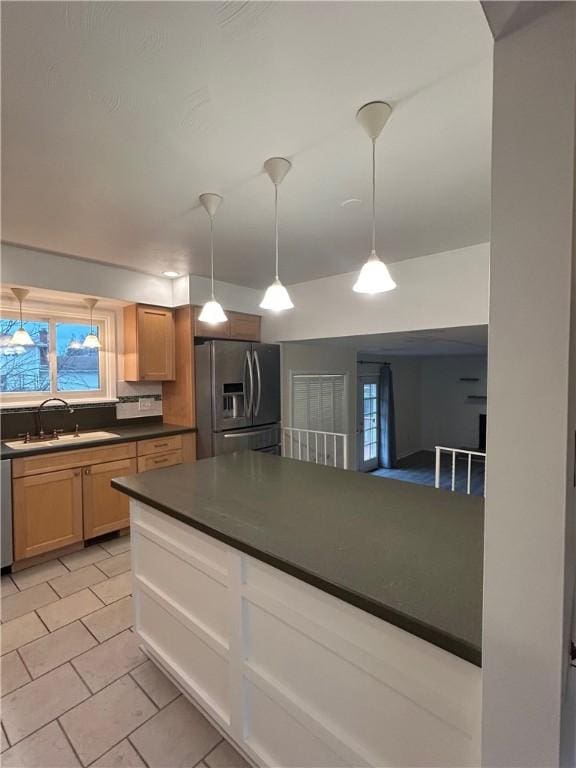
{"points": [[21, 337], [276, 297], [212, 311], [91, 341], [374, 276]]}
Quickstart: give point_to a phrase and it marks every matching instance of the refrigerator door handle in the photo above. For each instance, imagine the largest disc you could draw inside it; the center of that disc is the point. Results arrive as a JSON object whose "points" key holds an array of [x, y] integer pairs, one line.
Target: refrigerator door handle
{"points": [[259, 377], [249, 400]]}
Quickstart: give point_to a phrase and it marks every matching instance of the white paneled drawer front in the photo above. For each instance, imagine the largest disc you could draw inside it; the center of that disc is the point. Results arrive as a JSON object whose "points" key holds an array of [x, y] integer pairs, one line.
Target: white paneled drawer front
{"points": [[176, 534], [277, 738], [189, 586], [377, 692], [198, 666]]}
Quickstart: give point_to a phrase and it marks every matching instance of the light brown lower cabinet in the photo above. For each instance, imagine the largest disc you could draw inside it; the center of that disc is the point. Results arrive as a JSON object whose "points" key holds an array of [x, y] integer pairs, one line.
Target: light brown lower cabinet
{"points": [[47, 512], [64, 498], [105, 509]]}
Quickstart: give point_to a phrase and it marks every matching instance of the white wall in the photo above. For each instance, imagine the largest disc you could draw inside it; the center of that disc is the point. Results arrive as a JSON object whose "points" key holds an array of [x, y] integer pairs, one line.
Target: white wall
{"points": [[530, 506], [193, 289], [318, 358], [442, 290], [447, 417], [40, 269]]}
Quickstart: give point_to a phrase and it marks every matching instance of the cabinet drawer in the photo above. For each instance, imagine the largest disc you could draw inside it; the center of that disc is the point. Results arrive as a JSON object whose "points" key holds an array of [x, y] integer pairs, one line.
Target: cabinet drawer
{"points": [[34, 465], [157, 461], [160, 445]]}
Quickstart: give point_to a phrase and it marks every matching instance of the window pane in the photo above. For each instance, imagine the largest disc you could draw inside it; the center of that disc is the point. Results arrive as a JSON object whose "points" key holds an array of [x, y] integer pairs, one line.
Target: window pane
{"points": [[78, 368], [24, 369]]}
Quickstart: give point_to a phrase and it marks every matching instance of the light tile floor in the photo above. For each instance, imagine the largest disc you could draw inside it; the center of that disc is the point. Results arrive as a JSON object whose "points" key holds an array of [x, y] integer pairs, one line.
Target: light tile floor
{"points": [[76, 688]]}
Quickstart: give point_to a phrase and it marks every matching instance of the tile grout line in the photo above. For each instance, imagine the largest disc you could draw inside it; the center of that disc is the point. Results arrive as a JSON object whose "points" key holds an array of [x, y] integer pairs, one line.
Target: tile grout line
{"points": [[210, 751], [87, 698], [17, 651], [60, 726], [19, 741], [74, 658], [126, 735]]}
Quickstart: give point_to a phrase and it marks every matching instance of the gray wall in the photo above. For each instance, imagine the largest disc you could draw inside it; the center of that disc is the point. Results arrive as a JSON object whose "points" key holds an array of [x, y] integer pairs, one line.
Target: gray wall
{"points": [[448, 418], [321, 358]]}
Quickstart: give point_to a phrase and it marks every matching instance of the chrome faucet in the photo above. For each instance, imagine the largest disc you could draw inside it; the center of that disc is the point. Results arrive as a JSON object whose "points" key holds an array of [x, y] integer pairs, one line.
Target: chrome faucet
{"points": [[39, 414]]}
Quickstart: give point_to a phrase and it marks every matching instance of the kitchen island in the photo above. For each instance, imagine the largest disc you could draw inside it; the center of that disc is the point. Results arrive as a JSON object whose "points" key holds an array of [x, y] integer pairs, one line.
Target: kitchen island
{"points": [[317, 616]]}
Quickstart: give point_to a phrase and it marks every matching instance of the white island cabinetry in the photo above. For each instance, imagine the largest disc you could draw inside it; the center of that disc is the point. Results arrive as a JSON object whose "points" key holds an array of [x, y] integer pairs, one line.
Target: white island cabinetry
{"points": [[293, 675]]}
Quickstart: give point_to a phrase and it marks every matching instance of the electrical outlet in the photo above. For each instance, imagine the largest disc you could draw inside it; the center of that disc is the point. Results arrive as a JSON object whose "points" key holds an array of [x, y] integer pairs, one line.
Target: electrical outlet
{"points": [[145, 403]]}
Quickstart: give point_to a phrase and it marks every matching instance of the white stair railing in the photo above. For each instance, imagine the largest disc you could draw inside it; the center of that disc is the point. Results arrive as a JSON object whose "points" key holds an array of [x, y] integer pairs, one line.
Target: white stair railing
{"points": [[329, 448], [458, 453]]}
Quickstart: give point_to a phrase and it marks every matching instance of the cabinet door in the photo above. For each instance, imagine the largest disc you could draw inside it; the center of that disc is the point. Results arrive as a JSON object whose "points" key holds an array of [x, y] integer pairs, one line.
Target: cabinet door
{"points": [[245, 327], [105, 509], [206, 330], [47, 512], [155, 344]]}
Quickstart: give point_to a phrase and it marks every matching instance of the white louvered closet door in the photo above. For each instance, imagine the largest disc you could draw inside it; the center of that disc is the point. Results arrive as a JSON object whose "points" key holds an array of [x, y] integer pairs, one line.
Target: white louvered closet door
{"points": [[318, 402]]}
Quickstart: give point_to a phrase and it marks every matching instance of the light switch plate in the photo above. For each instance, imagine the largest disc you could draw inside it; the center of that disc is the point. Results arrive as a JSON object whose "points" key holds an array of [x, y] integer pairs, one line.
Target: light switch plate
{"points": [[145, 403]]}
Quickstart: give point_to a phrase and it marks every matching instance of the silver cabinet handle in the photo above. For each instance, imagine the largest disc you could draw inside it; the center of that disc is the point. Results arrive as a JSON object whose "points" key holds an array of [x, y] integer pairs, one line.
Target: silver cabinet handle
{"points": [[259, 377], [249, 400]]}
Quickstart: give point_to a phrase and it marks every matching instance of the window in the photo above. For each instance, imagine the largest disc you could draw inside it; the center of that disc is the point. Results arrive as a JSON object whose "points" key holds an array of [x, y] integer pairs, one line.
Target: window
{"points": [[57, 364], [370, 411], [319, 402]]}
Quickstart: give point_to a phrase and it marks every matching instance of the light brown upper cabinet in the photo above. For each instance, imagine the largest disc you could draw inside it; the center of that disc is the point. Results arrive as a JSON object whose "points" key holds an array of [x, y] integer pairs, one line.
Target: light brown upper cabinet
{"points": [[149, 341], [245, 327], [240, 326]]}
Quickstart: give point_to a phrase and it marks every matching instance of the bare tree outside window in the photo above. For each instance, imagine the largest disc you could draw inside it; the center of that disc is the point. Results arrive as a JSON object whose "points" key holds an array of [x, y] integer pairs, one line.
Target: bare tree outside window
{"points": [[28, 369]]}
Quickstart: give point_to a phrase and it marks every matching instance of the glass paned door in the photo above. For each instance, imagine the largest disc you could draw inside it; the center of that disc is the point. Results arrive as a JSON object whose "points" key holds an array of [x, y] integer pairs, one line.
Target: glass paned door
{"points": [[368, 423]]}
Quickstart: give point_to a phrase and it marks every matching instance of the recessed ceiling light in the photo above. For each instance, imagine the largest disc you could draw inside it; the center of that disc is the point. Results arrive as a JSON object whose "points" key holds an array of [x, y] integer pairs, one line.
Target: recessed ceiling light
{"points": [[170, 273], [350, 201]]}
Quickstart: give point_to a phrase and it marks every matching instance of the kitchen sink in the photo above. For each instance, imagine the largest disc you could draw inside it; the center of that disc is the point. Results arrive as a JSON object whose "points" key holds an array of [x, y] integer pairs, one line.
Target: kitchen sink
{"points": [[82, 437]]}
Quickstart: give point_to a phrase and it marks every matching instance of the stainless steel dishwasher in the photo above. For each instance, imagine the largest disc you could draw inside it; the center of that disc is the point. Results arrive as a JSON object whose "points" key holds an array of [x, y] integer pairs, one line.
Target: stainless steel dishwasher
{"points": [[6, 513]]}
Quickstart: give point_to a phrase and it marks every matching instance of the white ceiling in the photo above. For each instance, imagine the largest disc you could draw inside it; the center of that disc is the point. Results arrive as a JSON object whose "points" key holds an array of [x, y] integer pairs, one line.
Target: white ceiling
{"points": [[462, 340], [116, 116]]}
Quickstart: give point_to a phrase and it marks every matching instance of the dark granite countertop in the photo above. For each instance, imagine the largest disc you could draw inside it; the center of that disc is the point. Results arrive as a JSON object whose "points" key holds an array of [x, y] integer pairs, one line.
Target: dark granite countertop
{"points": [[409, 554], [125, 434]]}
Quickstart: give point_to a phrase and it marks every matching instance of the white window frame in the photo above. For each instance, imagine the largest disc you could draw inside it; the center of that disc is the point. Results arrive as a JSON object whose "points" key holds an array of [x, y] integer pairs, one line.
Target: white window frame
{"points": [[106, 322]]}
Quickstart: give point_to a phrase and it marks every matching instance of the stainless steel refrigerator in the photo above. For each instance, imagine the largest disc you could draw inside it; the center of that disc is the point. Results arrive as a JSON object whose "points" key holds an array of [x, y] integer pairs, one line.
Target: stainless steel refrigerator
{"points": [[237, 397]]}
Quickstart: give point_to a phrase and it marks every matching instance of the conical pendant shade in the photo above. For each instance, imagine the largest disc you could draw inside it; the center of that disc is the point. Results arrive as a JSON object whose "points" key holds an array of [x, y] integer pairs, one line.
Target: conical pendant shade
{"points": [[374, 276], [276, 297], [212, 312], [21, 337], [91, 341]]}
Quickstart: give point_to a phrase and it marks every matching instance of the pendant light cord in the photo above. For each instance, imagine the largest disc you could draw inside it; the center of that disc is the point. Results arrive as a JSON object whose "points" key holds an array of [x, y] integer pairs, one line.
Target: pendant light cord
{"points": [[21, 326], [374, 195], [212, 255], [276, 224]]}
